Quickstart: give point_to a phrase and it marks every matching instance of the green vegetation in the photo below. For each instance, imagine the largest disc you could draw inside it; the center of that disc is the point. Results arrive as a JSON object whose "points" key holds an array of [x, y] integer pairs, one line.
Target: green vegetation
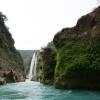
{"points": [[79, 60], [77, 63], [49, 63], [78, 53], [10, 60], [46, 64]]}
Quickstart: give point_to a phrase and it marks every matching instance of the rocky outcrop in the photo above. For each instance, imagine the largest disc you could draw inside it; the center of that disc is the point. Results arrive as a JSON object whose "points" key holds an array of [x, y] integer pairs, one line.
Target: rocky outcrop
{"points": [[78, 56], [46, 64], [2, 81], [11, 64], [77, 63]]}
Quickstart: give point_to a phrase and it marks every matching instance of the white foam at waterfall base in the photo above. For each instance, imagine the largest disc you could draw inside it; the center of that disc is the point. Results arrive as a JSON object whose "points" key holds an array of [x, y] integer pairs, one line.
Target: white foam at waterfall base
{"points": [[32, 70]]}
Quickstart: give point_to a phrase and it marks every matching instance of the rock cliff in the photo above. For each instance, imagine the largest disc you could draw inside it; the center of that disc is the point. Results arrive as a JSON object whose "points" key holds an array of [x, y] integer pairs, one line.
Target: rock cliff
{"points": [[77, 54], [11, 64]]}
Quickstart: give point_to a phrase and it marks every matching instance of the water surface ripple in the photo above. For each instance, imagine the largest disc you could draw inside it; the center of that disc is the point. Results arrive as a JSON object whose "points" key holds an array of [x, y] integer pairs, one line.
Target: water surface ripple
{"points": [[37, 91]]}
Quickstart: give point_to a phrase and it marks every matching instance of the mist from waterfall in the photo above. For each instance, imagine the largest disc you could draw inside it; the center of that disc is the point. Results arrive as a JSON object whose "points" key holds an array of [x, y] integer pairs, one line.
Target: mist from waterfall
{"points": [[33, 65]]}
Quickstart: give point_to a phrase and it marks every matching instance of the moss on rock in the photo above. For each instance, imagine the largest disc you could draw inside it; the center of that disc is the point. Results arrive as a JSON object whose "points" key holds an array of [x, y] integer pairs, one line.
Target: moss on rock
{"points": [[78, 53], [10, 58]]}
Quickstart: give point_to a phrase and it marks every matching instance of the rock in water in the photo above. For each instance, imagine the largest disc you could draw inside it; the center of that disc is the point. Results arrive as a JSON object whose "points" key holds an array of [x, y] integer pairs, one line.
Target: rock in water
{"points": [[2, 81]]}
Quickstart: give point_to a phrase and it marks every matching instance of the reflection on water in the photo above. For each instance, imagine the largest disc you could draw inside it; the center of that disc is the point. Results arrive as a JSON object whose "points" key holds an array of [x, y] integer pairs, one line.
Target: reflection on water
{"points": [[36, 91]]}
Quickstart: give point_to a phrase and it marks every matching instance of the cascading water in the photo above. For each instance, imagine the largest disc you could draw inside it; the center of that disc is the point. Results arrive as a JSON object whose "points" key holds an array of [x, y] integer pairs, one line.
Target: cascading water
{"points": [[32, 70]]}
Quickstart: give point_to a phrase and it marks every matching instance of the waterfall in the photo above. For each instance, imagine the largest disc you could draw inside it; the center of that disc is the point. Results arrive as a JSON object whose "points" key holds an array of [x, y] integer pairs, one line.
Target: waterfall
{"points": [[33, 65]]}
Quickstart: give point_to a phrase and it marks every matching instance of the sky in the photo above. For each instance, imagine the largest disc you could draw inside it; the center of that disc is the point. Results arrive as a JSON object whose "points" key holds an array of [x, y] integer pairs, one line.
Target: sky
{"points": [[33, 23]]}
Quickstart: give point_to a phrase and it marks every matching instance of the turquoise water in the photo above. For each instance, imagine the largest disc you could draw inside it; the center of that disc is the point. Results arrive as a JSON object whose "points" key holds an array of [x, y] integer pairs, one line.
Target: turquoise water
{"points": [[37, 91]]}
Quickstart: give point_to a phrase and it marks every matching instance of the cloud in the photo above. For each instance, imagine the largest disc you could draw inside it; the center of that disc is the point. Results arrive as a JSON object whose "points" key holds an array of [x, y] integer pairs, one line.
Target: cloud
{"points": [[98, 1]]}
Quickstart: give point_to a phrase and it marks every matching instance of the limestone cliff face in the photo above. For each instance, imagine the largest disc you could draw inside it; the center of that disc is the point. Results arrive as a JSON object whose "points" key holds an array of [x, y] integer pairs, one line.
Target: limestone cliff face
{"points": [[78, 54], [77, 63], [11, 64]]}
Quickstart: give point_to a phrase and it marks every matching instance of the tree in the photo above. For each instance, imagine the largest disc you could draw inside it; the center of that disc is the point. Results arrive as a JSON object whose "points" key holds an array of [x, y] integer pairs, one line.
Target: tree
{"points": [[2, 18]]}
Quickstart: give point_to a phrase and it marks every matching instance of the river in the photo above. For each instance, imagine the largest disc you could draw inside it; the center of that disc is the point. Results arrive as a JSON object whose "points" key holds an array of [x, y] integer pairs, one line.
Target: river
{"points": [[37, 91]]}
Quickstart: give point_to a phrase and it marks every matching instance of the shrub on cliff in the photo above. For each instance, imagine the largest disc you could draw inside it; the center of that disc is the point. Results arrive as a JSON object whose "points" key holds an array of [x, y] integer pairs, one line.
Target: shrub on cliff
{"points": [[46, 64], [49, 63], [10, 58], [78, 52]]}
